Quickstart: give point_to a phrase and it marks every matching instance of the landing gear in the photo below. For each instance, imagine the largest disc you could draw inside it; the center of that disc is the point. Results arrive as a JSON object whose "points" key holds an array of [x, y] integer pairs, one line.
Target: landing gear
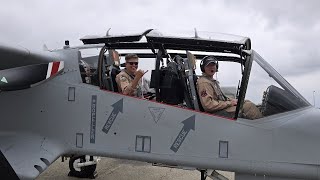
{"points": [[213, 174], [203, 174], [82, 166]]}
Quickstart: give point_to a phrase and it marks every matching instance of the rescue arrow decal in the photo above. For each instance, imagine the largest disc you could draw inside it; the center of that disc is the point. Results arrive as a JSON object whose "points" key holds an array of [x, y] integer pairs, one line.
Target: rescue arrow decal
{"points": [[188, 125], [117, 107]]}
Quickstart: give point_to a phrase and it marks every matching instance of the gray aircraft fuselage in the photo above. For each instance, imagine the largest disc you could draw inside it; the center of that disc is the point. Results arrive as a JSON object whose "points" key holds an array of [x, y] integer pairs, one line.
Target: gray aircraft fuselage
{"points": [[66, 116]]}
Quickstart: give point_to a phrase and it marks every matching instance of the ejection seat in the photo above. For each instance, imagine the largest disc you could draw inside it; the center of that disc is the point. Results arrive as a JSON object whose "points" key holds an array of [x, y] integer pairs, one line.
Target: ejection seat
{"points": [[195, 78], [177, 83], [111, 70], [183, 74], [190, 81], [276, 100], [114, 71]]}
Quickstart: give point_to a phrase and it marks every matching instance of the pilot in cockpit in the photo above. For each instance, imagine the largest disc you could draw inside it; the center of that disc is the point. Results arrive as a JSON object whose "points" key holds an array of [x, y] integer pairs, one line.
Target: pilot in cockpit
{"points": [[129, 80], [212, 98]]}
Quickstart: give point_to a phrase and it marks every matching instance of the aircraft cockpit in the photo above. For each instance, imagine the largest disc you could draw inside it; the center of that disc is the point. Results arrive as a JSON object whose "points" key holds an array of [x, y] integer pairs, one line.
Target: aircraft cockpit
{"points": [[243, 74]]}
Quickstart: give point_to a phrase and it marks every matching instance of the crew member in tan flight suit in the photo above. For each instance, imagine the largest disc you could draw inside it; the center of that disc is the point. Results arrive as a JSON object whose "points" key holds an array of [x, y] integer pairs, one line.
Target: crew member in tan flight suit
{"points": [[212, 98], [129, 79]]}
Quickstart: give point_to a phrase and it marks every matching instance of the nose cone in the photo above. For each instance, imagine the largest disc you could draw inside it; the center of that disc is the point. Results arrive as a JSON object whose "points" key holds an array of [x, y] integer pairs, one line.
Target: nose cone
{"points": [[11, 57]]}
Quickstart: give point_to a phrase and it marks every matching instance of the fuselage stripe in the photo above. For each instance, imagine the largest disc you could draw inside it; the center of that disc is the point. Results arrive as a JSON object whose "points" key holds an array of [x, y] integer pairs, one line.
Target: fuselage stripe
{"points": [[61, 66], [49, 70], [55, 68]]}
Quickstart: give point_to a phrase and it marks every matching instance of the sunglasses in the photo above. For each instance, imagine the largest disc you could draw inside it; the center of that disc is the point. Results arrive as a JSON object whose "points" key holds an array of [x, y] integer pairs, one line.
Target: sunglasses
{"points": [[133, 63]]}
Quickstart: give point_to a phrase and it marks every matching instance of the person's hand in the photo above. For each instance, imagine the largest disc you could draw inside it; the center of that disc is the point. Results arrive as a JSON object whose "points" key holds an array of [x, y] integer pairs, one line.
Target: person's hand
{"points": [[234, 102], [139, 73]]}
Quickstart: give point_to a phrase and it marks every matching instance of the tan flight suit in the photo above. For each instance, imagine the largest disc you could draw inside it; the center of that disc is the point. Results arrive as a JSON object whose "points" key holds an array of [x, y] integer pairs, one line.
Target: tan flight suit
{"points": [[214, 101], [124, 81]]}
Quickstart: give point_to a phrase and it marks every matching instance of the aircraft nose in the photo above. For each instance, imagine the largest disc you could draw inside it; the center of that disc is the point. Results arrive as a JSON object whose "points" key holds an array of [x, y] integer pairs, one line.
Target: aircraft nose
{"points": [[27, 76]]}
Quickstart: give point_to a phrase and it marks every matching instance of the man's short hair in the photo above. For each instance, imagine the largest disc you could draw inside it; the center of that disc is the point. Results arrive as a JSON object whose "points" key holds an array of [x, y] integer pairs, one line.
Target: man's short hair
{"points": [[131, 56]]}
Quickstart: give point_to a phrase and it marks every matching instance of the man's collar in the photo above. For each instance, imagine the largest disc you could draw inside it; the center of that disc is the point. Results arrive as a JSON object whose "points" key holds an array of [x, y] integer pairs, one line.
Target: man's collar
{"points": [[131, 75], [208, 77]]}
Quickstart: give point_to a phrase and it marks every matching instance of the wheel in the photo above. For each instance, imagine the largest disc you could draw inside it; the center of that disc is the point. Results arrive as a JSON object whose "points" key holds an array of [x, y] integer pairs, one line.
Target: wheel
{"points": [[82, 172]]}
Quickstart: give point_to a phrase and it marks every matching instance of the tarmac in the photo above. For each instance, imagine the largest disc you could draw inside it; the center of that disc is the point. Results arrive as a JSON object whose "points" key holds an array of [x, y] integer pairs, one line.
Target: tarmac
{"points": [[117, 169]]}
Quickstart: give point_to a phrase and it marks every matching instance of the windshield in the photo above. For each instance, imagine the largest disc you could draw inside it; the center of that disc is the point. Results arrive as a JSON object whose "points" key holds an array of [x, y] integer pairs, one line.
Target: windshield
{"points": [[270, 91]]}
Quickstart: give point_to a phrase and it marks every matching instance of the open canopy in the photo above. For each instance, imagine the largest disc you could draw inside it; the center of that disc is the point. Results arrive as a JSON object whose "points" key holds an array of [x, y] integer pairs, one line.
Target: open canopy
{"points": [[177, 53], [210, 42]]}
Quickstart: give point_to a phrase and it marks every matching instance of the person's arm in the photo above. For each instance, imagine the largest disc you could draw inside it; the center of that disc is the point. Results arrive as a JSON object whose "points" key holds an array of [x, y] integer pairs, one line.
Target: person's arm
{"points": [[136, 80], [208, 101], [125, 86], [138, 76], [233, 101]]}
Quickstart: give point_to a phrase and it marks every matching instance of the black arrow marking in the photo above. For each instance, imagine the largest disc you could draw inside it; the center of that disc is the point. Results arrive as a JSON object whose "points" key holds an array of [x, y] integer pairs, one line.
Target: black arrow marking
{"points": [[188, 125], [117, 107]]}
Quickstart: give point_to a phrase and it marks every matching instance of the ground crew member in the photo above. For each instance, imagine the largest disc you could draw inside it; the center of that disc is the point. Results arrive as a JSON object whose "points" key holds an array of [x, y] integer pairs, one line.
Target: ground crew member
{"points": [[129, 79], [212, 98]]}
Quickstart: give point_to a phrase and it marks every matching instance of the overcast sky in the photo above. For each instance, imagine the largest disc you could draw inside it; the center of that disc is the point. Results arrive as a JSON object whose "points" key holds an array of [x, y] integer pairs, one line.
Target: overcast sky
{"points": [[285, 33]]}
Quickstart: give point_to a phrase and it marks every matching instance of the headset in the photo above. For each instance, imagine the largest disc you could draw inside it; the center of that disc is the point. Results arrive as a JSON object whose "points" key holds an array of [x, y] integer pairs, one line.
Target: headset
{"points": [[208, 58]]}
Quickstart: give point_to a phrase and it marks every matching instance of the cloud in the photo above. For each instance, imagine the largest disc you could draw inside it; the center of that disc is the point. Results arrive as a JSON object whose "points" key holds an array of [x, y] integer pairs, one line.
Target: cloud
{"points": [[291, 33], [277, 13]]}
